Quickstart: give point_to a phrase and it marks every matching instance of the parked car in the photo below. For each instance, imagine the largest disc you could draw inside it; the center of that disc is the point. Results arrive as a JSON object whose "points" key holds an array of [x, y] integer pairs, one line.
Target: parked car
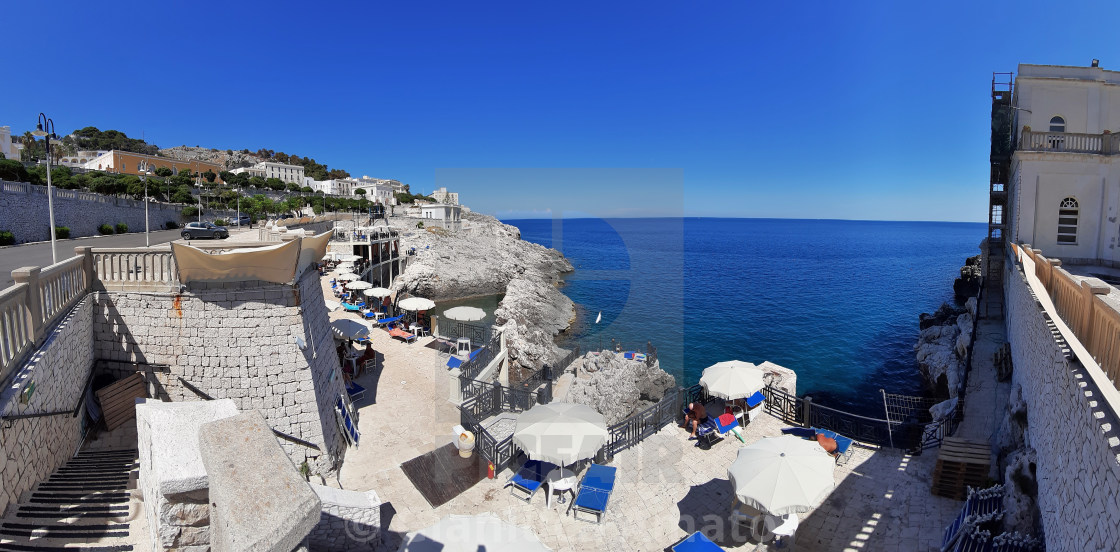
{"points": [[204, 230], [243, 221]]}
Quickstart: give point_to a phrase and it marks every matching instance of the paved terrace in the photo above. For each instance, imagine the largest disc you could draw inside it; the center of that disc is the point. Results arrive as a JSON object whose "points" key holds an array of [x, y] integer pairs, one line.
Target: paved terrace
{"points": [[667, 487]]}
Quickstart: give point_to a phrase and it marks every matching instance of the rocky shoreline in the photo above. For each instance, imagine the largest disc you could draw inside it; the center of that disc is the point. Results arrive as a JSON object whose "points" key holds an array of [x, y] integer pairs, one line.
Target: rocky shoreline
{"points": [[488, 257], [942, 345]]}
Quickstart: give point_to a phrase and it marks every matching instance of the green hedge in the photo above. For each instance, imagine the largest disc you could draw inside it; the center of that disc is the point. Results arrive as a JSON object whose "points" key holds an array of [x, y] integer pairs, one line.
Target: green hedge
{"points": [[7, 238], [105, 229], [122, 228], [62, 232], [171, 225]]}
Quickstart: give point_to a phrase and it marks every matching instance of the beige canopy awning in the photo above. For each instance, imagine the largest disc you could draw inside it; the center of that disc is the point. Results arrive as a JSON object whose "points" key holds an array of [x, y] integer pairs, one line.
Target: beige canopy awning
{"points": [[276, 263], [312, 250]]}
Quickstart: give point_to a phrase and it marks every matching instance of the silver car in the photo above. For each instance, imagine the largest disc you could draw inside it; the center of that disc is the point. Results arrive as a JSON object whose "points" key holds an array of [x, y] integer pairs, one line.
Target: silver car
{"points": [[204, 230]]}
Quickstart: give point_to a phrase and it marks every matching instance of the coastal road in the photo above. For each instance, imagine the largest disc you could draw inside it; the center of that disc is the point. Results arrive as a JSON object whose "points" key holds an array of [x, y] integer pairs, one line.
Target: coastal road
{"points": [[39, 254]]}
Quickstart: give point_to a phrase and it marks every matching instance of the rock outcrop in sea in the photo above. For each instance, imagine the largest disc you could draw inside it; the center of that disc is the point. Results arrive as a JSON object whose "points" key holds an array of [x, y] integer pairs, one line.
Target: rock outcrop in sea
{"points": [[968, 285], [617, 387], [943, 345], [487, 257]]}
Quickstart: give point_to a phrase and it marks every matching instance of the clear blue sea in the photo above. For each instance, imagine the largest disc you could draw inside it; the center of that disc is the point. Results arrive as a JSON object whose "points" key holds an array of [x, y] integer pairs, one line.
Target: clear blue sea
{"points": [[836, 301]]}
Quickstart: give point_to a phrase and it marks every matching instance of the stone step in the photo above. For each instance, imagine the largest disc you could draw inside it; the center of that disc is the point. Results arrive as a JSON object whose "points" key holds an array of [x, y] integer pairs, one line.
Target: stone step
{"points": [[79, 498], [12, 546], [72, 533]]}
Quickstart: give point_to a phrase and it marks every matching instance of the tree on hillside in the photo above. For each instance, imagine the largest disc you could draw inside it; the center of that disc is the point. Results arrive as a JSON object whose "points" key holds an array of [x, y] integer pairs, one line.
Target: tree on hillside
{"points": [[258, 182], [164, 172], [182, 194], [337, 173], [274, 184], [360, 191], [306, 190], [13, 171], [209, 175], [293, 187]]}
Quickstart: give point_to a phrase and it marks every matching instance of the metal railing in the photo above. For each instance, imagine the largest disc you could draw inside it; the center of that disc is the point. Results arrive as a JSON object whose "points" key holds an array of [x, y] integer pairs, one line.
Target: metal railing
{"points": [[453, 329], [636, 428], [471, 368], [493, 399]]}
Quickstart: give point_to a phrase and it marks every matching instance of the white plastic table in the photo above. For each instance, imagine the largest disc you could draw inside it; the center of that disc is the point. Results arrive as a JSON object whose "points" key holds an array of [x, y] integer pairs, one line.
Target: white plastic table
{"points": [[782, 526], [559, 479]]}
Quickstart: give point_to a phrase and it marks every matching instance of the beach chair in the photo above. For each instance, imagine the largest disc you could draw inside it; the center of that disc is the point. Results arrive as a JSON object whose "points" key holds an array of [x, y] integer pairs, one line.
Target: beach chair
{"points": [[594, 492], [980, 502], [345, 418], [389, 320], [350, 307], [529, 478], [696, 542], [355, 391], [399, 333], [844, 447], [708, 433], [454, 362], [727, 422]]}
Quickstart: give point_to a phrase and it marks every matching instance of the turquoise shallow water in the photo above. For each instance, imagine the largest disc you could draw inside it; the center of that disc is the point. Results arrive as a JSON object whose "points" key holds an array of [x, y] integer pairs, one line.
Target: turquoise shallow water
{"points": [[837, 301]]}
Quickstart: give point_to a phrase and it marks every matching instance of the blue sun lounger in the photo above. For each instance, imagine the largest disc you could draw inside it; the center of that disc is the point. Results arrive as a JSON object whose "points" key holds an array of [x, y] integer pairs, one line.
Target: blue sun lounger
{"points": [[346, 422], [454, 361], [351, 308], [594, 492], [843, 444], [389, 320], [355, 391], [696, 542], [529, 478]]}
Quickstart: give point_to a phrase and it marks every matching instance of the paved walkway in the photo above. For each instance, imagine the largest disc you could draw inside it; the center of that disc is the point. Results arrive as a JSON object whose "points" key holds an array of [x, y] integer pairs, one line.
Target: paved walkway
{"points": [[985, 400]]}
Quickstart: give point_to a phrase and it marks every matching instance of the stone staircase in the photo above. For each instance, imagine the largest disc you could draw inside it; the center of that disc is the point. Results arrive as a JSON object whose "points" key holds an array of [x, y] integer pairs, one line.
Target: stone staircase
{"points": [[84, 505]]}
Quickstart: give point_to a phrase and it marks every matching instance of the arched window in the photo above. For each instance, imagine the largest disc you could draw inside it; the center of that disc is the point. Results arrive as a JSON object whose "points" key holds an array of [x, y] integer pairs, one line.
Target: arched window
{"points": [[1057, 124], [1067, 221]]}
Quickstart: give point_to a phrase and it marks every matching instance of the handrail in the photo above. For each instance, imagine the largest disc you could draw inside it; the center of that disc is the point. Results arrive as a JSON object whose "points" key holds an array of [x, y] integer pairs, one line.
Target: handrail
{"points": [[17, 334]]}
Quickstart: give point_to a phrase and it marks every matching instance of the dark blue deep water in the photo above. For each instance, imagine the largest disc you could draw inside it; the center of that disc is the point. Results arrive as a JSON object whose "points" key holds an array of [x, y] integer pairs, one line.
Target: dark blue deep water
{"points": [[836, 301]]}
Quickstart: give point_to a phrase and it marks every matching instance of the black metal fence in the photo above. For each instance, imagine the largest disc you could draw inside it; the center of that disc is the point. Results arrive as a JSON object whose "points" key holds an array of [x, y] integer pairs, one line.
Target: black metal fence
{"points": [[471, 368], [453, 330], [634, 429], [490, 400], [547, 375]]}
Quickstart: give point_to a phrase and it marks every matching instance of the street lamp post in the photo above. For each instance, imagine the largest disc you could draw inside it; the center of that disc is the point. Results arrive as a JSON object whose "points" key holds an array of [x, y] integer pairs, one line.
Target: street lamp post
{"points": [[144, 174], [45, 128]]}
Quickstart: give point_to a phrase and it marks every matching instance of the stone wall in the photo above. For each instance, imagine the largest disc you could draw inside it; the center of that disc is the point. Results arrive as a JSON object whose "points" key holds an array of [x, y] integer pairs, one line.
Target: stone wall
{"points": [[173, 479], [237, 341], [24, 212], [1070, 432], [350, 520], [32, 448]]}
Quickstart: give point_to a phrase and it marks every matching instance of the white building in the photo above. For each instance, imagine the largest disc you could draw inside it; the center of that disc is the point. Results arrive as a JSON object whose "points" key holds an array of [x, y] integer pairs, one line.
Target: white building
{"points": [[7, 148], [443, 196], [334, 186], [1064, 187], [268, 169], [79, 159], [447, 216], [377, 189]]}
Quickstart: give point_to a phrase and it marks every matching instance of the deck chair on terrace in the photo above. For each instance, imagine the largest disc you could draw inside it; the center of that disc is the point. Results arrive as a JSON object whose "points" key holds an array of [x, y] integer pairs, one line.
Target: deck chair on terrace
{"points": [[529, 478], [594, 492], [407, 337], [844, 447], [708, 433]]}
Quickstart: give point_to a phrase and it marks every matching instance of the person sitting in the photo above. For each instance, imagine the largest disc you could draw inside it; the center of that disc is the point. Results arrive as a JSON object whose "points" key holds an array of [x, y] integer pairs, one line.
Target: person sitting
{"points": [[368, 354], [826, 442], [695, 415]]}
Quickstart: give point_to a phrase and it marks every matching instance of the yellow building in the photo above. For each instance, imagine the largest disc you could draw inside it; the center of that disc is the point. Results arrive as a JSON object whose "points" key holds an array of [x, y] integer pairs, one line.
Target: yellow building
{"points": [[125, 162]]}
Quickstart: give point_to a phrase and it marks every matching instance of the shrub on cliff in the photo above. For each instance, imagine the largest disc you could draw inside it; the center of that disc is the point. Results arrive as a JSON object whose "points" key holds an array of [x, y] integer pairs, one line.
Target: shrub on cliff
{"points": [[7, 238], [62, 232], [122, 228], [190, 211], [13, 171], [105, 229], [220, 222]]}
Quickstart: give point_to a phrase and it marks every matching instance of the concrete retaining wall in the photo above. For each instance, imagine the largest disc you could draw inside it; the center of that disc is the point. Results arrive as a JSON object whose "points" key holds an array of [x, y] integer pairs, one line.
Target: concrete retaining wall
{"points": [[1076, 443], [32, 448], [24, 212], [238, 342]]}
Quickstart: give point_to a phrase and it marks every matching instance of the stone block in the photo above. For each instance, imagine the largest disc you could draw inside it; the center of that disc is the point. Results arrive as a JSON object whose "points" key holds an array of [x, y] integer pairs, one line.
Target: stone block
{"points": [[258, 499]]}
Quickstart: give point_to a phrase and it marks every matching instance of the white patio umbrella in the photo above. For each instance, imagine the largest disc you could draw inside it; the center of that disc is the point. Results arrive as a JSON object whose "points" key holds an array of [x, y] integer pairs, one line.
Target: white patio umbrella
{"points": [[456, 533], [348, 258], [732, 379], [465, 314], [416, 304], [348, 276], [782, 475], [359, 285], [378, 292], [560, 433], [348, 328], [331, 256]]}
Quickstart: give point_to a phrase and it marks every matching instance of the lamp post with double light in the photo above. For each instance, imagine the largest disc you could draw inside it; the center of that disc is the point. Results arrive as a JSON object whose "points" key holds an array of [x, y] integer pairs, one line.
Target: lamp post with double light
{"points": [[45, 129], [145, 172]]}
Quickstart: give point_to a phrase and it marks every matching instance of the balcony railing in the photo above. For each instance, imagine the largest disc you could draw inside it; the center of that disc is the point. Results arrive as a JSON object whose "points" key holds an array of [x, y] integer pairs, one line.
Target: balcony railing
{"points": [[1069, 142]]}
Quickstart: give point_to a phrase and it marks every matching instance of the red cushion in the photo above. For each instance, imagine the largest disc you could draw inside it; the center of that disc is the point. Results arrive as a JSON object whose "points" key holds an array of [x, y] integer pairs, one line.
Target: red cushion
{"points": [[726, 419]]}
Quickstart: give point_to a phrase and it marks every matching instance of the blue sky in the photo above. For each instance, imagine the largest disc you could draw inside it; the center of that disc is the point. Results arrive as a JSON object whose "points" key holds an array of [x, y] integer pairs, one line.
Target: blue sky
{"points": [[857, 110]]}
